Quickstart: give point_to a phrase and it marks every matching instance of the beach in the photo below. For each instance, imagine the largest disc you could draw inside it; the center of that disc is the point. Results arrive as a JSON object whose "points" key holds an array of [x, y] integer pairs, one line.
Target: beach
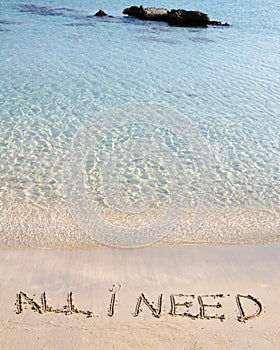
{"points": [[139, 177], [122, 299]]}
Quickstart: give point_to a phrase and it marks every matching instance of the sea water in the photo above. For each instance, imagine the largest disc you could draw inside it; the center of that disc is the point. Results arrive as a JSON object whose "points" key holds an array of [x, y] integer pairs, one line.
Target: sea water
{"points": [[123, 132]]}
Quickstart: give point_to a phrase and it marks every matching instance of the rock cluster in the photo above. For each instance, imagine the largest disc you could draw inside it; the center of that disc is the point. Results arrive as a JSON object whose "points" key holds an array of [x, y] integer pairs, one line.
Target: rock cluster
{"points": [[179, 17]]}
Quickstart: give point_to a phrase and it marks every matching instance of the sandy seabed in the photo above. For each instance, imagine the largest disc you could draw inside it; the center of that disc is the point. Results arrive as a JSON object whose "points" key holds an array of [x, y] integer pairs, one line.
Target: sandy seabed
{"points": [[28, 226], [173, 297]]}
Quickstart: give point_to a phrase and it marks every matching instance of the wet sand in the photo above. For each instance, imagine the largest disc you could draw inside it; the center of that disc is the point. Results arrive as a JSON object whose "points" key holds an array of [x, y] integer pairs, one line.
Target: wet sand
{"points": [[27, 226]]}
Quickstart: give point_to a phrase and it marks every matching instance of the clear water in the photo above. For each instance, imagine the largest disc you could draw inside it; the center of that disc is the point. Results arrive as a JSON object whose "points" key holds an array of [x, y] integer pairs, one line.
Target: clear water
{"points": [[126, 132]]}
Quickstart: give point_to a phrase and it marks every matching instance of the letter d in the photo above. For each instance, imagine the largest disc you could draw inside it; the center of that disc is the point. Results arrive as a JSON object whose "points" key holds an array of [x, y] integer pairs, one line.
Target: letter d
{"points": [[243, 317]]}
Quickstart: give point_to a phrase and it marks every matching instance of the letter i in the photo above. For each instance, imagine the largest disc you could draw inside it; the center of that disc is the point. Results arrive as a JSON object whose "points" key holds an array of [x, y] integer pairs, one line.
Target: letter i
{"points": [[115, 288]]}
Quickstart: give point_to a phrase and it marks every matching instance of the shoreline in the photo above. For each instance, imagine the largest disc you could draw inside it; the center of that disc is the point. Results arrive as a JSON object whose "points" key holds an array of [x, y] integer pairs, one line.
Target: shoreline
{"points": [[33, 227]]}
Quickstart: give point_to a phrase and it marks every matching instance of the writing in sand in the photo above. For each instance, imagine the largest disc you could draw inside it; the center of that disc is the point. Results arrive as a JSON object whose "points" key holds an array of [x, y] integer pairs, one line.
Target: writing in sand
{"points": [[207, 306]]}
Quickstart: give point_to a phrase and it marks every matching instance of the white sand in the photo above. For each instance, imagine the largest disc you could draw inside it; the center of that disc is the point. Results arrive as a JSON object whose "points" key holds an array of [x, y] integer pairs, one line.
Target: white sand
{"points": [[28, 226], [198, 270]]}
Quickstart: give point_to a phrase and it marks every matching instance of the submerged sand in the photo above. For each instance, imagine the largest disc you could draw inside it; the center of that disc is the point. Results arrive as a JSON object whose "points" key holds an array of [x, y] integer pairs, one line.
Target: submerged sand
{"points": [[27, 226], [184, 297]]}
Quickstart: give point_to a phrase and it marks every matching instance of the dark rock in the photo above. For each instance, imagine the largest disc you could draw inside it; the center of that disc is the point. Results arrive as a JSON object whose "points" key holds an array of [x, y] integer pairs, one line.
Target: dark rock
{"points": [[100, 13], [148, 13], [181, 18], [187, 18], [173, 17], [215, 23], [134, 11], [218, 23]]}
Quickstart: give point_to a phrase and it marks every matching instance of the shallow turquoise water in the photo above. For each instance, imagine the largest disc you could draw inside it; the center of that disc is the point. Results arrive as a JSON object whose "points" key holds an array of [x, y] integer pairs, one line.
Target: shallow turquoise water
{"points": [[68, 82]]}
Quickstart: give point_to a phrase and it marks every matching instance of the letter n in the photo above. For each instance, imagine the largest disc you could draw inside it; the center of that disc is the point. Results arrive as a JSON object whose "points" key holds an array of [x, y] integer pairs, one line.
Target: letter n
{"points": [[156, 311]]}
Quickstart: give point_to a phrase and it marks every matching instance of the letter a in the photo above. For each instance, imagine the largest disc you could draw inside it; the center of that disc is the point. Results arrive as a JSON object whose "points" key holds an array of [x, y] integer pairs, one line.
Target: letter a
{"points": [[23, 299]]}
